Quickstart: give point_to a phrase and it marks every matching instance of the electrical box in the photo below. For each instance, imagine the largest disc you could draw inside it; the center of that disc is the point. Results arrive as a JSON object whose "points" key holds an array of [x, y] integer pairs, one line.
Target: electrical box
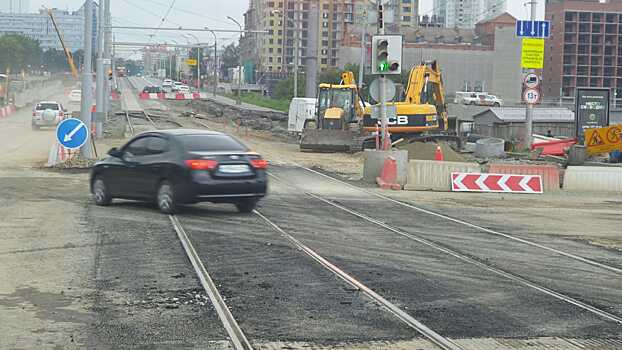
{"points": [[386, 54]]}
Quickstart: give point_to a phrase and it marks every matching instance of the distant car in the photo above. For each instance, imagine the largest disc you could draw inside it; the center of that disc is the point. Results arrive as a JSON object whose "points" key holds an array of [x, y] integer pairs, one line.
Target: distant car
{"points": [[47, 113], [183, 88], [176, 86], [167, 82], [181, 166], [152, 89], [480, 99], [75, 96]]}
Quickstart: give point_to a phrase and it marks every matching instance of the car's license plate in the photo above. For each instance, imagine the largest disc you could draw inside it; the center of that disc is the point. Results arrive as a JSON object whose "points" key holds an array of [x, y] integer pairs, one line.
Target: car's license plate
{"points": [[234, 168]]}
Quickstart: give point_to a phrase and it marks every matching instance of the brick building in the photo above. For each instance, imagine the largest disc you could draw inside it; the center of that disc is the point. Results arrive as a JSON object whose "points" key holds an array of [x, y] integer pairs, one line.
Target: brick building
{"points": [[584, 50]]}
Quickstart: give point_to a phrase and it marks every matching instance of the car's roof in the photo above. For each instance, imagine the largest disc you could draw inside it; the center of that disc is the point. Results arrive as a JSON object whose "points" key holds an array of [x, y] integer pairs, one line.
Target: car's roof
{"points": [[80, 91], [181, 132], [42, 102]]}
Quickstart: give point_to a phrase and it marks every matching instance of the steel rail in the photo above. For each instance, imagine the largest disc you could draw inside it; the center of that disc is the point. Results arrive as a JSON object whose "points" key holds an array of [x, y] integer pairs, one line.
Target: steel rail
{"points": [[435, 338], [236, 335], [472, 261], [477, 227]]}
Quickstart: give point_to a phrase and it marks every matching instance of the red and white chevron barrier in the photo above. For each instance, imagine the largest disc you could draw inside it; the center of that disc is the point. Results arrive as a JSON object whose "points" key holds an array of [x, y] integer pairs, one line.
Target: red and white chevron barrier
{"points": [[7, 110], [476, 182], [172, 96]]}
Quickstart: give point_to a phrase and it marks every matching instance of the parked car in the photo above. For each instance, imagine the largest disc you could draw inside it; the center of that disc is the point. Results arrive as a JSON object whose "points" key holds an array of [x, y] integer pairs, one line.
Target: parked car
{"points": [[183, 88], [152, 89], [478, 99], [176, 86], [47, 113], [181, 166], [75, 96]]}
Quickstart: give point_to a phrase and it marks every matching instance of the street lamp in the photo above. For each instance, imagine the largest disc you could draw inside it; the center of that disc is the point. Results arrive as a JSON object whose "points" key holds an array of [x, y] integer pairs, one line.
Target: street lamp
{"points": [[198, 61], [170, 60], [215, 60], [239, 97]]}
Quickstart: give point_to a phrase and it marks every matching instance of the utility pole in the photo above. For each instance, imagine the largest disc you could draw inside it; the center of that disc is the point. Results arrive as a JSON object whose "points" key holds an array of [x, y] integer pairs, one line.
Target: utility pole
{"points": [[296, 48], [529, 110], [216, 66], [239, 96], [87, 76], [311, 57], [363, 51], [384, 120], [108, 57], [99, 82]]}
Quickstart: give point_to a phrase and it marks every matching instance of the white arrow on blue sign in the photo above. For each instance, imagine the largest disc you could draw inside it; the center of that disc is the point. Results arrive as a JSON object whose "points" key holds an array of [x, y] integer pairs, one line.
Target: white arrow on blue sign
{"points": [[72, 133], [533, 29]]}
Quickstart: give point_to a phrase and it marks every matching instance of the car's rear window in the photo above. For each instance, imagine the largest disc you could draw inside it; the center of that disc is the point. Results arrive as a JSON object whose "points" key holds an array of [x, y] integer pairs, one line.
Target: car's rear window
{"points": [[44, 106], [211, 143]]}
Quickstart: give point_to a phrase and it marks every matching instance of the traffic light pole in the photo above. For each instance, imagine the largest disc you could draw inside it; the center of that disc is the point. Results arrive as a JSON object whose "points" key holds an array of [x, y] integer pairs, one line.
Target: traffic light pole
{"points": [[384, 120]]}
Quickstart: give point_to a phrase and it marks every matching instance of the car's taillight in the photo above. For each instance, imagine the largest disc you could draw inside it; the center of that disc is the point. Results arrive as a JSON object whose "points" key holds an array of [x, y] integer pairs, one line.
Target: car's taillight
{"points": [[202, 164], [34, 114], [62, 114], [259, 163]]}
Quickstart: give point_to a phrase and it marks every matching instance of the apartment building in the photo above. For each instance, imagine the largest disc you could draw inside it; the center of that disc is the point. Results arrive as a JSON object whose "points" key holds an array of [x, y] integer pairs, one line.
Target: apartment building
{"points": [[465, 14], [585, 48]]}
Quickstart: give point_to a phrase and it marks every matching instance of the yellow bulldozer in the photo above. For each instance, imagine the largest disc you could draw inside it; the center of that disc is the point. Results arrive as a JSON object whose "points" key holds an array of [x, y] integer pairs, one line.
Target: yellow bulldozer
{"points": [[345, 123]]}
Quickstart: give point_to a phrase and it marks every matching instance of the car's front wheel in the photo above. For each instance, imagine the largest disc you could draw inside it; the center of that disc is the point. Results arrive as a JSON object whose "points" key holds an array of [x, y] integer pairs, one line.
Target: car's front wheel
{"points": [[166, 198], [247, 205], [100, 192]]}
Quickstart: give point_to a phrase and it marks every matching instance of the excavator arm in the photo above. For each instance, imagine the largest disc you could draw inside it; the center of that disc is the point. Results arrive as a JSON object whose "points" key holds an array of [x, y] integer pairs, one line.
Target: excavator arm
{"points": [[425, 86], [70, 62], [347, 78]]}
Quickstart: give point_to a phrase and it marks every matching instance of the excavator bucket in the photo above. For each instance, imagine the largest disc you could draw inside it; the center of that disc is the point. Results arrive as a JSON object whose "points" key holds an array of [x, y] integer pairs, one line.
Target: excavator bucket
{"points": [[327, 140]]}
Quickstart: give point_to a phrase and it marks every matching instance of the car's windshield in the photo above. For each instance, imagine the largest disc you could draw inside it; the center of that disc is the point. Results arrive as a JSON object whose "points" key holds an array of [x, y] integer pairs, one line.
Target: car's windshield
{"points": [[210, 143]]}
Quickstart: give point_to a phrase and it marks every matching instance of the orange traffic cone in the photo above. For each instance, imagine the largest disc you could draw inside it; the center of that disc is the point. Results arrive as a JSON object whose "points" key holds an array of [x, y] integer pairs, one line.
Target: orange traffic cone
{"points": [[388, 176], [438, 154]]}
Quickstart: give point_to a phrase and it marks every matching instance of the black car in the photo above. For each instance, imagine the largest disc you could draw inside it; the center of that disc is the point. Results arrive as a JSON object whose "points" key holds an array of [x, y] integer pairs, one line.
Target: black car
{"points": [[181, 166]]}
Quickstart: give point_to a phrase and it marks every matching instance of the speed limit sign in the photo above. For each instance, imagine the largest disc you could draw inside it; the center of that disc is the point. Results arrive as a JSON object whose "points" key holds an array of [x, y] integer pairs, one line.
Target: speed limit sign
{"points": [[531, 96]]}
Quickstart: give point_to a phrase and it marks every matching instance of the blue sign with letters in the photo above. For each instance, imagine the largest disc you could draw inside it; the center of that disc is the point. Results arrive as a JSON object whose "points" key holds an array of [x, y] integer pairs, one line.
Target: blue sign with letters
{"points": [[533, 29], [72, 133]]}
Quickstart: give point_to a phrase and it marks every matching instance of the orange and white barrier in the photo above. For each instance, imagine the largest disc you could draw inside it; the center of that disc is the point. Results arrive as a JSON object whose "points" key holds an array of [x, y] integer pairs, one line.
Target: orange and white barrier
{"points": [[59, 154], [172, 96], [7, 110]]}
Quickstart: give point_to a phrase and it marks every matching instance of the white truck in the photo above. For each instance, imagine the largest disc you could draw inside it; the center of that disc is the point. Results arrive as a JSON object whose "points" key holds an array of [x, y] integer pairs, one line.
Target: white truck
{"points": [[301, 110]]}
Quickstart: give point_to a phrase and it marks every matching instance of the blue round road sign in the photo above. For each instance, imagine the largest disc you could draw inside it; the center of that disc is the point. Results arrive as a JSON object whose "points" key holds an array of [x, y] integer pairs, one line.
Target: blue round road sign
{"points": [[72, 133]]}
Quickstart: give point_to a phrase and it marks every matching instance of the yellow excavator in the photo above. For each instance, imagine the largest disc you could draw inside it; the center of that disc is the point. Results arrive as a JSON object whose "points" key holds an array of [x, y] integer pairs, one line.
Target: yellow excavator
{"points": [[70, 62], [338, 114], [348, 124]]}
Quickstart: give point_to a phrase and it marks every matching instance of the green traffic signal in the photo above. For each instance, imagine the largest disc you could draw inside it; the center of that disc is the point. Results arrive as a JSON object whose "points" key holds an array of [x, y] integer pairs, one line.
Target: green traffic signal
{"points": [[383, 66]]}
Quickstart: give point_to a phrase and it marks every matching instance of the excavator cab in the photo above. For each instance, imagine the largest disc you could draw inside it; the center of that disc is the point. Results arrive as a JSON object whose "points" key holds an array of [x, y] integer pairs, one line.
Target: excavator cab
{"points": [[335, 109], [337, 122]]}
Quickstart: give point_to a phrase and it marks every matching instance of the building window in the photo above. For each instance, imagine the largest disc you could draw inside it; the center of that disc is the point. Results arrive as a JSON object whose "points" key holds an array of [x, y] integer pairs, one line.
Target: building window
{"points": [[270, 59], [278, 59], [271, 23], [270, 50], [406, 9], [325, 6], [405, 18], [270, 68], [280, 41], [279, 50], [271, 41]]}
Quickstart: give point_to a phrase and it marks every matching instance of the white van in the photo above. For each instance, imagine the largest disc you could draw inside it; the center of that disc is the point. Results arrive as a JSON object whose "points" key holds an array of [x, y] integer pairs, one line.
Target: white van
{"points": [[301, 109]]}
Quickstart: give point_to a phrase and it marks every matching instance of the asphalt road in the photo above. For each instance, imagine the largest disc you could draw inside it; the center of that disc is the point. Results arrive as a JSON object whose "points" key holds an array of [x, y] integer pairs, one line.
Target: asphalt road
{"points": [[79, 276]]}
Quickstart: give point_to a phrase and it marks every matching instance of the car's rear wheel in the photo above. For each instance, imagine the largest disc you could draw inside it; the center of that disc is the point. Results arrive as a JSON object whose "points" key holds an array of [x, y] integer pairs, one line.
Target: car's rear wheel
{"points": [[100, 192], [247, 205], [166, 198]]}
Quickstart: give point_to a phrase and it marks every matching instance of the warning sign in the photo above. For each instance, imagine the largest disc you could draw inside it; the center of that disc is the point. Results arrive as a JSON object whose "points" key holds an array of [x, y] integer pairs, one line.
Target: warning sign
{"points": [[603, 140], [532, 55]]}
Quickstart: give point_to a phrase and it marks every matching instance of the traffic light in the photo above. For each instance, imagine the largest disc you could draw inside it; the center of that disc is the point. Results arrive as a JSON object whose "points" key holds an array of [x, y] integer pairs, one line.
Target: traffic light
{"points": [[387, 54]]}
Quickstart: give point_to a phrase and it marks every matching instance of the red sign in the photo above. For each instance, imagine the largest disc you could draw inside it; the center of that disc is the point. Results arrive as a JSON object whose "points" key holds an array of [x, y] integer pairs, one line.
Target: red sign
{"points": [[476, 182]]}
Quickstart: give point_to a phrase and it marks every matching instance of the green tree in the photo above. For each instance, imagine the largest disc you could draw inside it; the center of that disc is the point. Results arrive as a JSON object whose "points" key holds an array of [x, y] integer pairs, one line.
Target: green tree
{"points": [[230, 58], [17, 52], [284, 89]]}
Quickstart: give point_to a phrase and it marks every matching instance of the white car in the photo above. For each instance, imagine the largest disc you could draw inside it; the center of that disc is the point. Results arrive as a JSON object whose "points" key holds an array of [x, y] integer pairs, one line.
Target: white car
{"points": [[183, 89], [75, 96], [480, 99], [176, 85], [47, 113]]}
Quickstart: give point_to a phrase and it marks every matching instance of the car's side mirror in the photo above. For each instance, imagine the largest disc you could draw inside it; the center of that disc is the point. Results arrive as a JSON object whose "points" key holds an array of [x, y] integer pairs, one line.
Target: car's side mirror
{"points": [[114, 152]]}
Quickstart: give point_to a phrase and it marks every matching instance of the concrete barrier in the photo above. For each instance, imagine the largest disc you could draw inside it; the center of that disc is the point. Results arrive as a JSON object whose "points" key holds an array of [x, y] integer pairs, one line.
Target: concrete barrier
{"points": [[374, 161], [424, 175], [593, 179], [550, 173]]}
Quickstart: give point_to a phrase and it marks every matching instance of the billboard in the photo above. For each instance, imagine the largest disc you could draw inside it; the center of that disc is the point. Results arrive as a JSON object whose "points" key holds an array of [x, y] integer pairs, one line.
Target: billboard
{"points": [[591, 110]]}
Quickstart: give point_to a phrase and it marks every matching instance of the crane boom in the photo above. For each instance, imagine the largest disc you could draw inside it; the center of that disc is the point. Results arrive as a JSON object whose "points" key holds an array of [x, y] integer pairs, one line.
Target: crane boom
{"points": [[70, 62]]}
